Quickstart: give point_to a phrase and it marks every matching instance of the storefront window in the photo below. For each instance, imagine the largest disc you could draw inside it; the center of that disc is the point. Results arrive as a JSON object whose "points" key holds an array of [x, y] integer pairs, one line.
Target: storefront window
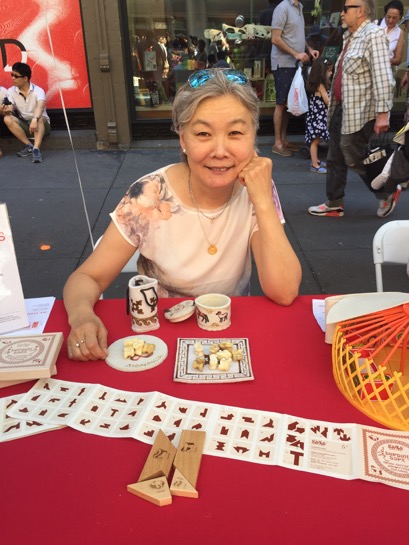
{"points": [[170, 39]]}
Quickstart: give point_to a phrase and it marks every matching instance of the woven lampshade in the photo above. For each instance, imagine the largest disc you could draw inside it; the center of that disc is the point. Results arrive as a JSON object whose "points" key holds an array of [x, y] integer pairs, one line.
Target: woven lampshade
{"points": [[371, 366]]}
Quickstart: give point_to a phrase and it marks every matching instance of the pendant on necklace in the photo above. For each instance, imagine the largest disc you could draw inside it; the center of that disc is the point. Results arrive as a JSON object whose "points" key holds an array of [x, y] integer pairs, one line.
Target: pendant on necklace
{"points": [[212, 249]]}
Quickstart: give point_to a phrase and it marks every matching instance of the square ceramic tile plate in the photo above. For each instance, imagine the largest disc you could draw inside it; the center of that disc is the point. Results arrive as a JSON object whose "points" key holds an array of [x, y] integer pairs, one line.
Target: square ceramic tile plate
{"points": [[185, 356], [116, 358]]}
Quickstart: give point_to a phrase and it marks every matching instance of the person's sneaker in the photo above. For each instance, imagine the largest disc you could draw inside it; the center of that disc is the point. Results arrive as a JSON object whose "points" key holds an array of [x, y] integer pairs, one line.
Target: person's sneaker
{"points": [[324, 210], [386, 206], [37, 157], [321, 164], [318, 170], [26, 151]]}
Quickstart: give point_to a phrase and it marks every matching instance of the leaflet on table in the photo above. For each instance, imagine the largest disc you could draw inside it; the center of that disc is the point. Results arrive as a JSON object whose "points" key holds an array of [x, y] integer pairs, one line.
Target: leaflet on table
{"points": [[13, 428], [38, 311], [232, 432], [12, 309], [345, 451]]}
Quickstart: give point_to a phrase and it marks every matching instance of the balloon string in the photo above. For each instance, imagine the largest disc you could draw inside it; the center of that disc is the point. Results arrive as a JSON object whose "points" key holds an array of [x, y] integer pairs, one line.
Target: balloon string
{"points": [[71, 141]]}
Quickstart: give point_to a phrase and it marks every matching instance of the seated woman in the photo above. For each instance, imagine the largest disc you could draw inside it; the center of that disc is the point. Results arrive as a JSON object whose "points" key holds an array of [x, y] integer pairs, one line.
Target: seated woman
{"points": [[195, 222]]}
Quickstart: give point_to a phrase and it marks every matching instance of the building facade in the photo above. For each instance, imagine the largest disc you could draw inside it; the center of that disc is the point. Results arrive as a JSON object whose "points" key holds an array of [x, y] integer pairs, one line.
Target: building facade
{"points": [[117, 64]]}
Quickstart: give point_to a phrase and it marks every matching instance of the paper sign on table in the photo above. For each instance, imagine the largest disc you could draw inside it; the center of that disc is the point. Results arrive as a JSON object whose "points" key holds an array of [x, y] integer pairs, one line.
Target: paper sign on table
{"points": [[38, 311], [12, 308]]}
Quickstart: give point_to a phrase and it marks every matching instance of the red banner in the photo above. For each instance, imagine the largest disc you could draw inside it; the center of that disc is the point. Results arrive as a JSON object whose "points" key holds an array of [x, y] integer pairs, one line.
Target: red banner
{"points": [[24, 36]]}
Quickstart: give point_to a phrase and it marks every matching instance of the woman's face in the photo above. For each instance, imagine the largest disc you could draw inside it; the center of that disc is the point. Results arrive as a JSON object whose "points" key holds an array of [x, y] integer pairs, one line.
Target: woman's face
{"points": [[219, 141], [392, 17]]}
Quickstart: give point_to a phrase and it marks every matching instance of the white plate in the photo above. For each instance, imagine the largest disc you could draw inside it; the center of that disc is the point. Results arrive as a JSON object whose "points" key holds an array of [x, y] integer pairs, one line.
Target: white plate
{"points": [[185, 356], [116, 358], [181, 311]]}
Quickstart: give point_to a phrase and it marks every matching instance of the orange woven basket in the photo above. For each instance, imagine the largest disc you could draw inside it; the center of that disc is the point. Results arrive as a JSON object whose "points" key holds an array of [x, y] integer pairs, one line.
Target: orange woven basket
{"points": [[369, 357]]}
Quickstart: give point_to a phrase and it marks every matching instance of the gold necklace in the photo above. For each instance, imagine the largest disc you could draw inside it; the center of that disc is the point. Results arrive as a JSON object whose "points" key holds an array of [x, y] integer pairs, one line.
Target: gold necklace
{"points": [[210, 218], [212, 248]]}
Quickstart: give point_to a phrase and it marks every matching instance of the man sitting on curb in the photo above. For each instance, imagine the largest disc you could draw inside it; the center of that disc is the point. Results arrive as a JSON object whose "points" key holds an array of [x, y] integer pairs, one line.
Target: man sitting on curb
{"points": [[26, 116]]}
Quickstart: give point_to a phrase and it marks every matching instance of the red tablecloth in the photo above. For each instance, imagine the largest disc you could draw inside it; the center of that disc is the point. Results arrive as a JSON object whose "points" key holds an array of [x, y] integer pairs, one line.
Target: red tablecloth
{"points": [[66, 487]]}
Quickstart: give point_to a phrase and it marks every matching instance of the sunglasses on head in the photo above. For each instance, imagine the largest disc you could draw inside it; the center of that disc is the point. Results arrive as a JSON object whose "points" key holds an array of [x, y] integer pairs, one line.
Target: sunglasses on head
{"points": [[200, 77]]}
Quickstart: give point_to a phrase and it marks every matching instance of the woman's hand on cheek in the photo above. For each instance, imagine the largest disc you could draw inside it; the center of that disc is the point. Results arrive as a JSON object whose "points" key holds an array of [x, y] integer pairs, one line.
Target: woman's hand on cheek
{"points": [[256, 177]]}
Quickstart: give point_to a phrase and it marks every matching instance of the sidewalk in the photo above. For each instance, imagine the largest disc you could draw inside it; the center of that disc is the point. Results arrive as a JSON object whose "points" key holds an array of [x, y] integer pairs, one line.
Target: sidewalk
{"points": [[45, 207]]}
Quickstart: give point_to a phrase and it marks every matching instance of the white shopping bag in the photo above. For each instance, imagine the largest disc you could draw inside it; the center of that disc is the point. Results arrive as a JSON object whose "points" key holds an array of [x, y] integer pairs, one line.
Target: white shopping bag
{"points": [[297, 102]]}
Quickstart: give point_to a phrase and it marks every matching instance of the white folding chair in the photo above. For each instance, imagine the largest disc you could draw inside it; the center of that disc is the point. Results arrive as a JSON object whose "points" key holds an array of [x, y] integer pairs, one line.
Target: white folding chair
{"points": [[390, 245]]}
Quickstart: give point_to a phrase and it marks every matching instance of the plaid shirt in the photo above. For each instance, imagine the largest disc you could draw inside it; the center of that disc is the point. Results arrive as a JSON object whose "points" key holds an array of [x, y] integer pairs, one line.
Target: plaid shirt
{"points": [[367, 79]]}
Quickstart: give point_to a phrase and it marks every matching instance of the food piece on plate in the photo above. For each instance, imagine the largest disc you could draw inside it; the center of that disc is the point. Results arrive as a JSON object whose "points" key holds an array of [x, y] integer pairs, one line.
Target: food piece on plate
{"points": [[227, 345], [128, 352], [136, 348], [199, 363], [223, 354], [198, 349], [237, 355], [224, 364], [148, 349], [213, 361], [214, 348]]}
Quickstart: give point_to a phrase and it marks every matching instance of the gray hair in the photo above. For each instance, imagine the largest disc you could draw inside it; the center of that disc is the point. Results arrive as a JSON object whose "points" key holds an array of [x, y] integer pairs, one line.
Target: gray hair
{"points": [[369, 7], [187, 99]]}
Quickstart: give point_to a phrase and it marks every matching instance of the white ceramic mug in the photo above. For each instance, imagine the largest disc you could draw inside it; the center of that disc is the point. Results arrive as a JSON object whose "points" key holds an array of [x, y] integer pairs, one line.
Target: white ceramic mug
{"points": [[213, 311], [143, 303]]}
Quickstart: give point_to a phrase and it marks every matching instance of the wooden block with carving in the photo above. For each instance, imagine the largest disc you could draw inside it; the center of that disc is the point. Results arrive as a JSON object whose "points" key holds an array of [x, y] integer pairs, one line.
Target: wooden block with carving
{"points": [[152, 484], [28, 357], [187, 464], [154, 490], [160, 459]]}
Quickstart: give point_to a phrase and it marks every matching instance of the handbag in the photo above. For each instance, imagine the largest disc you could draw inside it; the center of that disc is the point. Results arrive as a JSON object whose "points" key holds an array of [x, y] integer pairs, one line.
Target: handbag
{"points": [[297, 102], [375, 160]]}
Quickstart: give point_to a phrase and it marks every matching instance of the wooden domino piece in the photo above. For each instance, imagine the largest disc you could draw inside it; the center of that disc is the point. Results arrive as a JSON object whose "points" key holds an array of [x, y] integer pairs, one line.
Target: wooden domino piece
{"points": [[152, 484], [154, 490], [187, 463], [160, 459]]}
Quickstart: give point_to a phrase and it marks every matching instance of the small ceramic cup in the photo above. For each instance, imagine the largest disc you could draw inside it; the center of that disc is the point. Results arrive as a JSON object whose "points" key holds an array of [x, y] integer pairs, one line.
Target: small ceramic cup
{"points": [[213, 311], [143, 303]]}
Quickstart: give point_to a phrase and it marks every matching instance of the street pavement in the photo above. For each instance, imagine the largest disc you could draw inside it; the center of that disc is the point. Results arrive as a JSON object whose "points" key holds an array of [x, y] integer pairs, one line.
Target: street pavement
{"points": [[46, 208]]}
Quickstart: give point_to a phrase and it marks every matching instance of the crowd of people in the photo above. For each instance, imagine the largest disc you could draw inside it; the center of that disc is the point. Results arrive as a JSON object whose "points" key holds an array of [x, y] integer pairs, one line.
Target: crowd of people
{"points": [[347, 108]]}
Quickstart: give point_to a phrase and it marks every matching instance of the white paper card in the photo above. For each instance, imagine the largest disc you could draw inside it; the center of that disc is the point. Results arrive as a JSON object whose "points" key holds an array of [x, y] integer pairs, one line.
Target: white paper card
{"points": [[38, 311], [13, 313]]}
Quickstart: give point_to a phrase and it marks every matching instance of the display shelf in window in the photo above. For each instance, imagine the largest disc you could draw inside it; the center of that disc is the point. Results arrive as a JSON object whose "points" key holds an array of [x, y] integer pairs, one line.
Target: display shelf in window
{"points": [[269, 88]]}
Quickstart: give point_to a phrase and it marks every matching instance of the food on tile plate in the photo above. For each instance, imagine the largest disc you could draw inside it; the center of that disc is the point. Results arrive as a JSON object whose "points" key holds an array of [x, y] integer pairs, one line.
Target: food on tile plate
{"points": [[220, 357], [136, 348]]}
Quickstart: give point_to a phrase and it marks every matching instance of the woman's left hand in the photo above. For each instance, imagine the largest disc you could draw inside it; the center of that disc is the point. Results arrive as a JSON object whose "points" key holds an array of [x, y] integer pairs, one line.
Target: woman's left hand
{"points": [[256, 177]]}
